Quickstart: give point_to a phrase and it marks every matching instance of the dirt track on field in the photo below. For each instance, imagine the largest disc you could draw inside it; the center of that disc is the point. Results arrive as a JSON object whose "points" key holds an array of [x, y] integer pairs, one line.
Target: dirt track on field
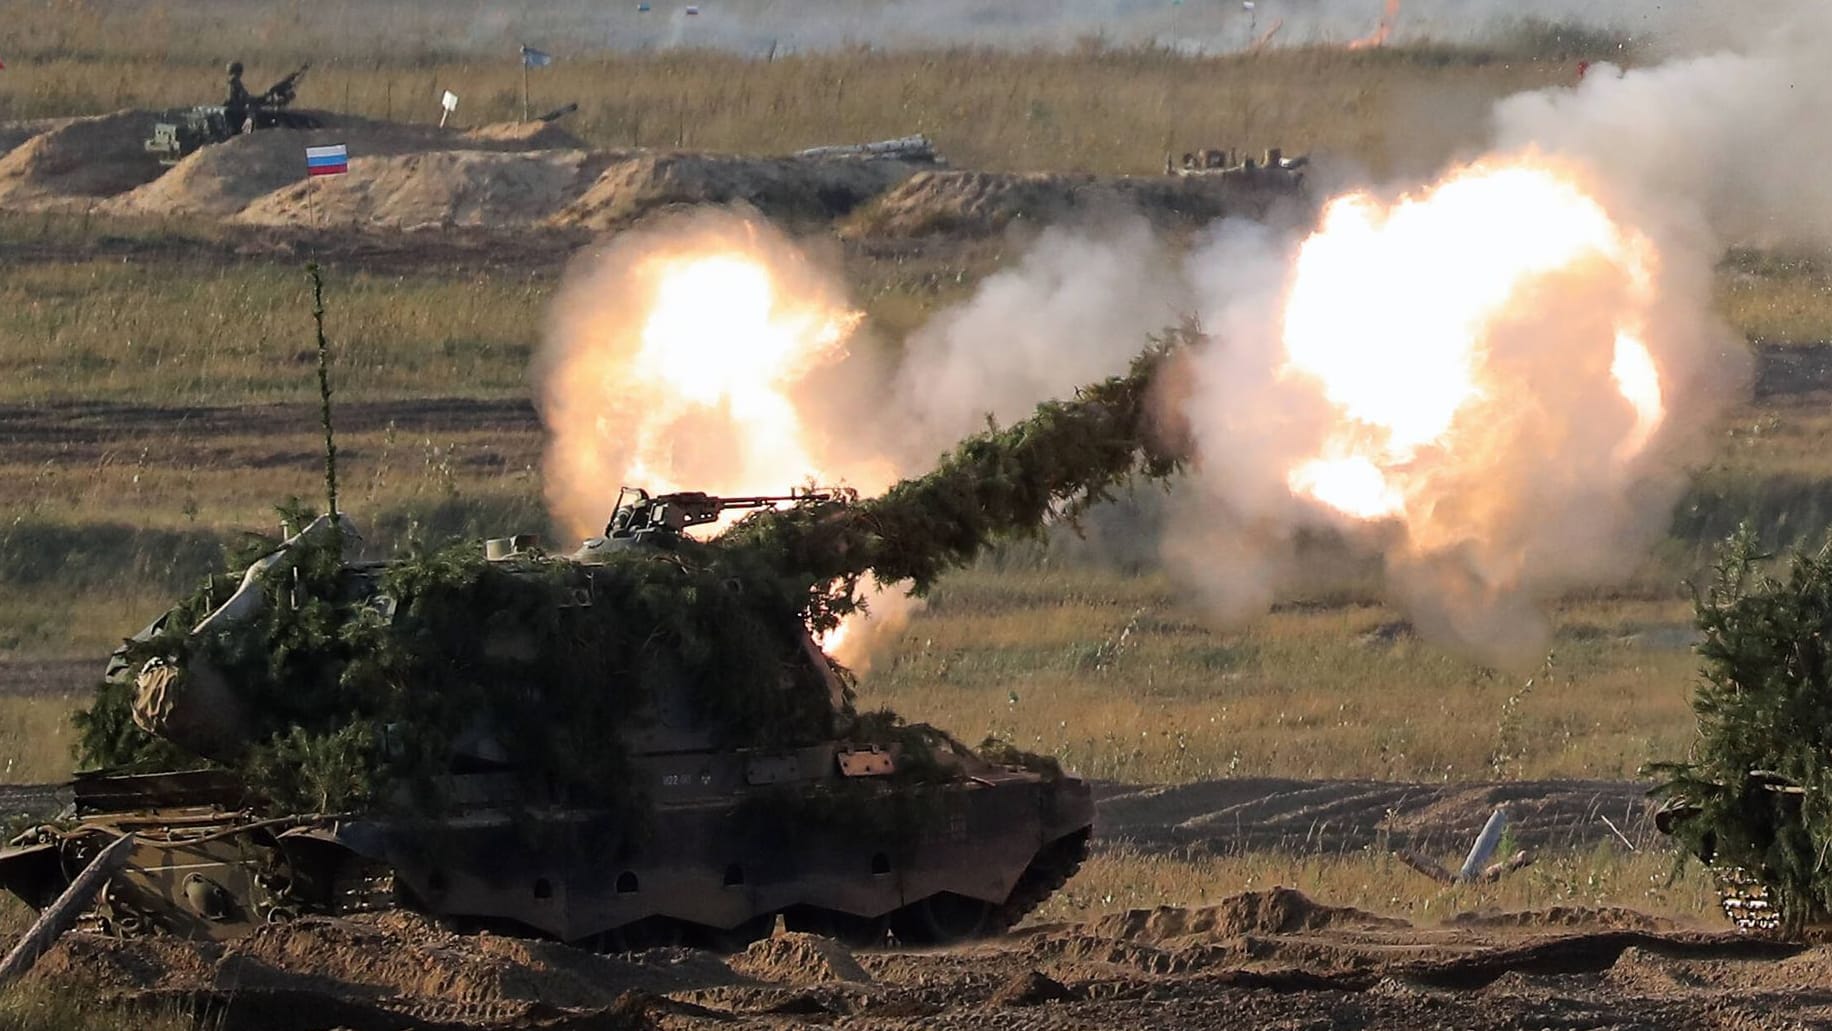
{"points": [[1272, 959], [1311, 816]]}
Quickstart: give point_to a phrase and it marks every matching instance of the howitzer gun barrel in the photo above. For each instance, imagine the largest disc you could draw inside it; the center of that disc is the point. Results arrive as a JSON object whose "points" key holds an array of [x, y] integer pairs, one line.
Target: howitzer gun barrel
{"points": [[999, 483]]}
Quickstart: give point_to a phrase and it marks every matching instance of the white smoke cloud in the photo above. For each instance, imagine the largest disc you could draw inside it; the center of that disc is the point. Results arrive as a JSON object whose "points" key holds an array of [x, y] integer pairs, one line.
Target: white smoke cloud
{"points": [[760, 27], [1073, 309], [1697, 153], [1528, 495], [1731, 144], [1724, 146]]}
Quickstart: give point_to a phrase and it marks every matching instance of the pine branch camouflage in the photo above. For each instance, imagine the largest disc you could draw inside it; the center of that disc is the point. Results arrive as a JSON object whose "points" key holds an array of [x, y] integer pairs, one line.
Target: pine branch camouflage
{"points": [[1757, 792], [357, 704]]}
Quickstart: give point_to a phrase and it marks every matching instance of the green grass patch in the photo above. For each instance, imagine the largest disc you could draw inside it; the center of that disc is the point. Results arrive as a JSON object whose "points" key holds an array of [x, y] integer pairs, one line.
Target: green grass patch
{"points": [[1120, 879], [1119, 677], [152, 329]]}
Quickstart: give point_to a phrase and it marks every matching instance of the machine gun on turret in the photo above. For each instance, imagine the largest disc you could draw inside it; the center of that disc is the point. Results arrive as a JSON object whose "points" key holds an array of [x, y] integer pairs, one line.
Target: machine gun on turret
{"points": [[183, 131], [644, 514], [283, 93]]}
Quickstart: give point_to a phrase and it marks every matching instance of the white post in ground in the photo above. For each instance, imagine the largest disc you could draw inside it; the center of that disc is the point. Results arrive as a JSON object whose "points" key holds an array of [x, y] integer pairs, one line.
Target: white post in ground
{"points": [[1484, 847]]}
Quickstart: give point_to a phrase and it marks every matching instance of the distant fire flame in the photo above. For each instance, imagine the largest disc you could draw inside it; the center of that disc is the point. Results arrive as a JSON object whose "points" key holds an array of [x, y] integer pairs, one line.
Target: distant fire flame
{"points": [[1392, 315], [1382, 31]]}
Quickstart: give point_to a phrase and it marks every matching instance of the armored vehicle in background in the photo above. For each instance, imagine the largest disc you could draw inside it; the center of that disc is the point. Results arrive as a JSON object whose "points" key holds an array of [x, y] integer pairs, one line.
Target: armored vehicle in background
{"points": [[183, 131]]}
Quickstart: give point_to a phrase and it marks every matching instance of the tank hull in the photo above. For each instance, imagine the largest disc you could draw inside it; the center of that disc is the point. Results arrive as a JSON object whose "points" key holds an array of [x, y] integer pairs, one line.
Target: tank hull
{"points": [[706, 862]]}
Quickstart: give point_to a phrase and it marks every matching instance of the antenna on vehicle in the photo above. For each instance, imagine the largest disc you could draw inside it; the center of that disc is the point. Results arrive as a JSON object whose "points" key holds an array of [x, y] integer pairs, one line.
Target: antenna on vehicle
{"points": [[324, 390]]}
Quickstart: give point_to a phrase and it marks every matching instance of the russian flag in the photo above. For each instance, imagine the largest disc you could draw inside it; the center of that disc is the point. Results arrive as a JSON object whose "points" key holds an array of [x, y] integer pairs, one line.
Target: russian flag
{"points": [[332, 160]]}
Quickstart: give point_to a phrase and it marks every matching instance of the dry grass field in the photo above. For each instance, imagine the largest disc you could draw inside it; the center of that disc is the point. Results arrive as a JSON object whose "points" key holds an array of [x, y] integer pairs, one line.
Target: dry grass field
{"points": [[1376, 881], [1391, 111], [1119, 673], [1120, 677]]}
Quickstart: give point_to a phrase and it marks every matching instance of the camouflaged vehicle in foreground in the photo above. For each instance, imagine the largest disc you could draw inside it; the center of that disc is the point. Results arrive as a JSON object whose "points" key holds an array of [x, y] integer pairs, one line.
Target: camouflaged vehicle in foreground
{"points": [[821, 829], [636, 743]]}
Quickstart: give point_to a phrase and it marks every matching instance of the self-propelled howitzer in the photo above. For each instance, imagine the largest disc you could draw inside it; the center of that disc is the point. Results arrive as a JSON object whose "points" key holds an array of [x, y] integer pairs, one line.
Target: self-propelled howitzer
{"points": [[639, 741]]}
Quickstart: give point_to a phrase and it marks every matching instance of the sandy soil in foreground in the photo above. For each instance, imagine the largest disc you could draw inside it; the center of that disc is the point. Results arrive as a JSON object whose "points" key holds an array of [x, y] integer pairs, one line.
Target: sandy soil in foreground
{"points": [[1268, 959]]}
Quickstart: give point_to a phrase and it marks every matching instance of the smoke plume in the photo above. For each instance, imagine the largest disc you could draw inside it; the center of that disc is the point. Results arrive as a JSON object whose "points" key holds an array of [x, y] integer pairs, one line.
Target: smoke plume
{"points": [[765, 27], [1488, 384], [1073, 309], [1532, 487], [1473, 384]]}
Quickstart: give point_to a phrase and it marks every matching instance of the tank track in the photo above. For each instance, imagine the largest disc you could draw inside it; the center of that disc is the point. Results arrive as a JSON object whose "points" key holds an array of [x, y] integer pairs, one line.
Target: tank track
{"points": [[1042, 878], [1747, 902]]}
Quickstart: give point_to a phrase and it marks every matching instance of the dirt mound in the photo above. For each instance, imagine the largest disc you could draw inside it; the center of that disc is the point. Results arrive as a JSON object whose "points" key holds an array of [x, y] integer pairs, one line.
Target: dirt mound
{"points": [[441, 188], [526, 136], [12, 134], [1639, 969], [222, 179], [1279, 911], [1029, 988], [400, 966], [1267, 959], [1613, 918], [782, 188], [73, 165], [121, 964], [984, 203], [799, 959], [225, 178]]}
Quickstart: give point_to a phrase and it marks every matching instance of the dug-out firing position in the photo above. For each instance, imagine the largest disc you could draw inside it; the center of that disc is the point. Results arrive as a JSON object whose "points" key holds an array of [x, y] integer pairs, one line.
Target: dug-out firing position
{"points": [[182, 132]]}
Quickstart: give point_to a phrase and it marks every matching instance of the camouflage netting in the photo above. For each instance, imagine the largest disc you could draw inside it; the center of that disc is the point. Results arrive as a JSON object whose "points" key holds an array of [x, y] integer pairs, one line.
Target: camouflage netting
{"points": [[1760, 776], [355, 702]]}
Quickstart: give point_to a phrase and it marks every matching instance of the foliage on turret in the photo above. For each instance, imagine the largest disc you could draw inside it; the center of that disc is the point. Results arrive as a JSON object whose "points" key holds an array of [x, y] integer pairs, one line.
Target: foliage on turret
{"points": [[361, 680]]}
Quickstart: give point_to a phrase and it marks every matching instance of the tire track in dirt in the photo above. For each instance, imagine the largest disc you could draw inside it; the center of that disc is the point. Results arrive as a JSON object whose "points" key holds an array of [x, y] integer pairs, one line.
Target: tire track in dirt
{"points": [[1261, 813], [87, 430]]}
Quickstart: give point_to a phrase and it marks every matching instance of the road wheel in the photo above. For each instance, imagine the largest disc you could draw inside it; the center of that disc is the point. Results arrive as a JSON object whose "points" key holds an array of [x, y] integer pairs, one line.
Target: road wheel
{"points": [[653, 932], [735, 939], [857, 932], [941, 920]]}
